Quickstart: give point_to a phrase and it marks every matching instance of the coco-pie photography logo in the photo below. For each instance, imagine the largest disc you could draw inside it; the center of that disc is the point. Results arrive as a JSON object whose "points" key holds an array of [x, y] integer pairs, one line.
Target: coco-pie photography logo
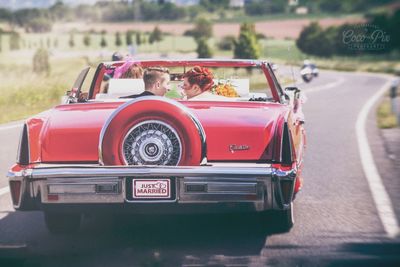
{"points": [[365, 37]]}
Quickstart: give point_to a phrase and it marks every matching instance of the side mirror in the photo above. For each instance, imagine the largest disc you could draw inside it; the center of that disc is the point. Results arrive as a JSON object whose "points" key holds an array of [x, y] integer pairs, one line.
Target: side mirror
{"points": [[296, 91], [292, 88]]}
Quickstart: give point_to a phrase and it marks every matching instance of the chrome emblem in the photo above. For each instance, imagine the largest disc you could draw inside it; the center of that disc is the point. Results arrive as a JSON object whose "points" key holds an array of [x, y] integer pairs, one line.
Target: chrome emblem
{"points": [[234, 148]]}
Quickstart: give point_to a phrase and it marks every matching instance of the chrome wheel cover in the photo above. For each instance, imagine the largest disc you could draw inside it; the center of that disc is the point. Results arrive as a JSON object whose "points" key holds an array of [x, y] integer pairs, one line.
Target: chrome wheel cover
{"points": [[152, 143]]}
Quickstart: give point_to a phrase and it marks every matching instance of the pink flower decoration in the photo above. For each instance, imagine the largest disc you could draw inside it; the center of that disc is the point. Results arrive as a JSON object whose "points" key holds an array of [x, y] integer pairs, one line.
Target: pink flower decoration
{"points": [[123, 68]]}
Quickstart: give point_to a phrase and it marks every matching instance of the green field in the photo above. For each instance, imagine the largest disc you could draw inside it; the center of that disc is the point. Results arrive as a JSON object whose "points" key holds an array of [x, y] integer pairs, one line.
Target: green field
{"points": [[61, 43], [286, 52], [24, 93], [385, 117]]}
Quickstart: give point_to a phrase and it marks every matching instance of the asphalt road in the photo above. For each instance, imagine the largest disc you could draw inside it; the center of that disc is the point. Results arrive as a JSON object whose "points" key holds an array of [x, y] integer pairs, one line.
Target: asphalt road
{"points": [[337, 221]]}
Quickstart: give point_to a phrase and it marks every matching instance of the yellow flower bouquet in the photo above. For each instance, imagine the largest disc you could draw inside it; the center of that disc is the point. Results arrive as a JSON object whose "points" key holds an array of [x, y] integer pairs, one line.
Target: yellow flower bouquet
{"points": [[225, 89]]}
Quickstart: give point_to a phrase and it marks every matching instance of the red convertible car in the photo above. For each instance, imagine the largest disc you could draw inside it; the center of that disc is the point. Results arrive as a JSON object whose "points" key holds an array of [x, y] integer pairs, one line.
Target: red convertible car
{"points": [[164, 155]]}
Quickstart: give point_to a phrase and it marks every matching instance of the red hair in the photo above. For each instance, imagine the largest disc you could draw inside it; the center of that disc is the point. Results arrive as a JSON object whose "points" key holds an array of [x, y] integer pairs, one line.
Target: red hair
{"points": [[203, 77]]}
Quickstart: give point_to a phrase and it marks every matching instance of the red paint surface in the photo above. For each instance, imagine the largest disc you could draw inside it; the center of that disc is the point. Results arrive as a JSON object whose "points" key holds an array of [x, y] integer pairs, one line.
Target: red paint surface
{"points": [[71, 132]]}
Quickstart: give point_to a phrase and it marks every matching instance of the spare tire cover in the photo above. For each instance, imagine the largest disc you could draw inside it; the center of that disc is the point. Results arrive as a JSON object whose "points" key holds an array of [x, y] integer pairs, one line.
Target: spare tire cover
{"points": [[152, 131]]}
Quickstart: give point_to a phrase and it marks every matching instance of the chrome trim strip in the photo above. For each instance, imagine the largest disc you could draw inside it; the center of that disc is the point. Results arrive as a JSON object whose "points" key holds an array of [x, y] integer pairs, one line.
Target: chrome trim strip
{"points": [[231, 188], [80, 188], [16, 178], [149, 171], [266, 181], [284, 175], [159, 98], [75, 186]]}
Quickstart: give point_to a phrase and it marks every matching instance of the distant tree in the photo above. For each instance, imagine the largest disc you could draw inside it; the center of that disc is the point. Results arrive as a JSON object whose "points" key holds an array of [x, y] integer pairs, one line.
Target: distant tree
{"points": [[248, 27], [227, 43], [331, 6], [103, 32], [15, 40], [118, 41], [328, 39], [261, 7], [260, 36], [203, 50], [388, 22], [247, 45], [138, 38], [87, 12], [128, 38], [103, 42], [59, 11], [41, 61], [308, 38], [213, 5], [155, 35], [170, 11], [71, 41], [202, 29], [194, 11], [87, 39], [161, 11], [149, 11], [5, 14], [314, 40], [343, 6], [48, 42], [39, 24], [23, 16], [1, 41], [55, 43], [144, 39], [41, 43]]}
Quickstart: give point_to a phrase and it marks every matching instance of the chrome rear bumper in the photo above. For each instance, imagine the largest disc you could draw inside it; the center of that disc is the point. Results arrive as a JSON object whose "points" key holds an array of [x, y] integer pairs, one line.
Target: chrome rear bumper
{"points": [[257, 186]]}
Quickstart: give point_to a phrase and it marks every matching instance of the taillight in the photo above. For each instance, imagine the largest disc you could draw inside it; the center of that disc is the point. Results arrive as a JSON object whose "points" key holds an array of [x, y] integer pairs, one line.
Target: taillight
{"points": [[286, 150], [23, 148], [15, 189]]}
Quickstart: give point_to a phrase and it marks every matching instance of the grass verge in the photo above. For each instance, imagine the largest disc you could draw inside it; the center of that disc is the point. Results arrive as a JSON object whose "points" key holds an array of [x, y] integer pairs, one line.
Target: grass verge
{"points": [[24, 93], [385, 118], [286, 52]]}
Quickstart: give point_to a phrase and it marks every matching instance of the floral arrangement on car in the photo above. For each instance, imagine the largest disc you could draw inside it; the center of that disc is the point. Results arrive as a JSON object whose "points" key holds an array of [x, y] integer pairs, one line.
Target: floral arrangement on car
{"points": [[224, 89]]}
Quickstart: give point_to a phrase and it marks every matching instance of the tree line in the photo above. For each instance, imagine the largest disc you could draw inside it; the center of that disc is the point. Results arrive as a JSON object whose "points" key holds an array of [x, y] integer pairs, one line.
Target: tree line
{"points": [[378, 35], [42, 19], [128, 38], [246, 45]]}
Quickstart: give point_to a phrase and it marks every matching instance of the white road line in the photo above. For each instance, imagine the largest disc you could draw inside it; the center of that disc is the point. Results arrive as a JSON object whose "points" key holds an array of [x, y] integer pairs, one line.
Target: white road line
{"points": [[331, 85], [4, 190], [379, 194]]}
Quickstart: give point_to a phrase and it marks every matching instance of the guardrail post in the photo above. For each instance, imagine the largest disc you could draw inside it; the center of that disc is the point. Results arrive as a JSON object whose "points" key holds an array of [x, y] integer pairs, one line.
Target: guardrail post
{"points": [[394, 100]]}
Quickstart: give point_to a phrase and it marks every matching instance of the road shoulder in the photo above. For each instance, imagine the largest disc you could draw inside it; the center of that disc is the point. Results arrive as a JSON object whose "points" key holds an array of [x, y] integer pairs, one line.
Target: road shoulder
{"points": [[385, 146]]}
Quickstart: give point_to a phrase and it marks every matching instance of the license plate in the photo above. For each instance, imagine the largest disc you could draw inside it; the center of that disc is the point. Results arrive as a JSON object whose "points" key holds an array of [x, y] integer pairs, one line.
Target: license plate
{"points": [[159, 188]]}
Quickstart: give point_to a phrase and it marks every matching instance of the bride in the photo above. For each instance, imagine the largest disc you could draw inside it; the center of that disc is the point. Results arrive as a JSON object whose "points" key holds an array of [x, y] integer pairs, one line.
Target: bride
{"points": [[197, 85]]}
